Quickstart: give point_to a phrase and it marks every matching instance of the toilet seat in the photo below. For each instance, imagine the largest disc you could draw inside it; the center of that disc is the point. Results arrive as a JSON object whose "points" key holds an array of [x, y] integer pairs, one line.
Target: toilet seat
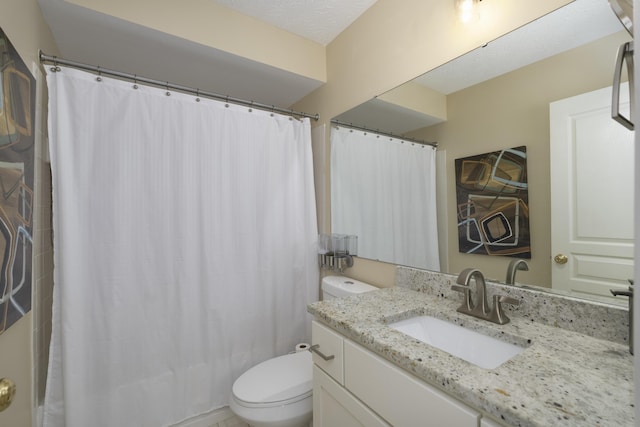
{"points": [[279, 381]]}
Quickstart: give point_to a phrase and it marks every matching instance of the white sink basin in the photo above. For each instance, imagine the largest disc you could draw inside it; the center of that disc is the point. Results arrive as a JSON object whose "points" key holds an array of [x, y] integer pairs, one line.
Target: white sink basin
{"points": [[481, 350]]}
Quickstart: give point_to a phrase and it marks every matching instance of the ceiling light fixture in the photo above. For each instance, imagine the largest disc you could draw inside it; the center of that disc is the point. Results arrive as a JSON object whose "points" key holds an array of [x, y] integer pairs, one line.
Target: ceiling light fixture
{"points": [[467, 10]]}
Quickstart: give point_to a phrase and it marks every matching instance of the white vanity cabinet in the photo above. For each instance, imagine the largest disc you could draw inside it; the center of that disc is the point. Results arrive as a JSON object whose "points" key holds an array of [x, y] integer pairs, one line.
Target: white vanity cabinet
{"points": [[486, 422], [400, 398], [330, 344], [357, 387], [333, 405]]}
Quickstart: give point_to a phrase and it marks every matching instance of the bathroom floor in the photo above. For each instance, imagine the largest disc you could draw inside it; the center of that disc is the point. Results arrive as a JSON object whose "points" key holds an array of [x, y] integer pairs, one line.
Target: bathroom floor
{"points": [[230, 422]]}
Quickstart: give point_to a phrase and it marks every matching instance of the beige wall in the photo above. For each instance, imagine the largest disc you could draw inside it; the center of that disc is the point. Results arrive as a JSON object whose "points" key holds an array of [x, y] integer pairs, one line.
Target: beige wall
{"points": [[22, 21], [210, 24], [395, 41], [418, 98], [509, 111], [392, 43]]}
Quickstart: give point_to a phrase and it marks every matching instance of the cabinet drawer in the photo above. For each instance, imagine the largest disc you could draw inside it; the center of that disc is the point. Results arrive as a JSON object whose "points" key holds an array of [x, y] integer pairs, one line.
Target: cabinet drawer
{"points": [[330, 344], [398, 397]]}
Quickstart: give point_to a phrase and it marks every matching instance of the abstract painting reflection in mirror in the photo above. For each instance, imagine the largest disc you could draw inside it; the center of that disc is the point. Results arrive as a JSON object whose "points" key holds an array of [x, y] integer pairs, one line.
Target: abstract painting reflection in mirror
{"points": [[17, 112], [493, 203]]}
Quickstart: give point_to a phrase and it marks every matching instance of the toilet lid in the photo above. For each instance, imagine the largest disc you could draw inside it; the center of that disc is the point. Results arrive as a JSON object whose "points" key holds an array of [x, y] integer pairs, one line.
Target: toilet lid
{"points": [[276, 380]]}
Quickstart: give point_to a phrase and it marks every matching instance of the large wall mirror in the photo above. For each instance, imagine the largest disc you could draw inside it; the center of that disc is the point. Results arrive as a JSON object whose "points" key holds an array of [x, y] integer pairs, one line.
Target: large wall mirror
{"points": [[499, 96]]}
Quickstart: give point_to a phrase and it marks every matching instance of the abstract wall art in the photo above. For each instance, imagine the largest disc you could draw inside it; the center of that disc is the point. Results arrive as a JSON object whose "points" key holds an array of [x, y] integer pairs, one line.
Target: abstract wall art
{"points": [[493, 203], [17, 116]]}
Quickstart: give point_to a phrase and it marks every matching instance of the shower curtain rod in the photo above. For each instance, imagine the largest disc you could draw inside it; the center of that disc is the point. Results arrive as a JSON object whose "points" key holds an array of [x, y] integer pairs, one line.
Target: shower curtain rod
{"points": [[44, 58], [378, 132]]}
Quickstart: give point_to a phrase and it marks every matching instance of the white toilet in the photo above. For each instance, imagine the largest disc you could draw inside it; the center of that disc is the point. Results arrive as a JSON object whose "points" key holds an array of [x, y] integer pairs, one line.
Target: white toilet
{"points": [[277, 392]]}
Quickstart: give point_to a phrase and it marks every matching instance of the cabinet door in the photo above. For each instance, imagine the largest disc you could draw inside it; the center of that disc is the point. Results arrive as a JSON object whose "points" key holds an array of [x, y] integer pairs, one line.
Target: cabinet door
{"points": [[402, 399], [333, 406]]}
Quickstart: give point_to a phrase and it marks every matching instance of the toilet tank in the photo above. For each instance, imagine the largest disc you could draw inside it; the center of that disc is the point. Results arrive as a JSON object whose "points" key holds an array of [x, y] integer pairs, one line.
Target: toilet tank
{"points": [[340, 286]]}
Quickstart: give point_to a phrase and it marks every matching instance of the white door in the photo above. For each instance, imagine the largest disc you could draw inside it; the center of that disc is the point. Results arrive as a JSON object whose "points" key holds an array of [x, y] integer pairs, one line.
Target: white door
{"points": [[592, 190]]}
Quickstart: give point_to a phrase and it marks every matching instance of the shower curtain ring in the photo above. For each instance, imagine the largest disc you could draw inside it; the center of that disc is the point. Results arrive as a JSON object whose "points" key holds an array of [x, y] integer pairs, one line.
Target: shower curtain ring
{"points": [[55, 67], [197, 95], [135, 81], [167, 88], [226, 101], [99, 78]]}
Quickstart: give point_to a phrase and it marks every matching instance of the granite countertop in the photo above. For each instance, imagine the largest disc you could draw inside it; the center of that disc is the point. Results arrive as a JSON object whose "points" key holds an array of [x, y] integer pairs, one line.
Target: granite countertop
{"points": [[562, 378]]}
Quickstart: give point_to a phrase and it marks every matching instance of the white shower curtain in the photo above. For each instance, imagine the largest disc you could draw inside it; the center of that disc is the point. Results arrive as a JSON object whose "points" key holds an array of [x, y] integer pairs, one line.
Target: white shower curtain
{"points": [[383, 190], [185, 249]]}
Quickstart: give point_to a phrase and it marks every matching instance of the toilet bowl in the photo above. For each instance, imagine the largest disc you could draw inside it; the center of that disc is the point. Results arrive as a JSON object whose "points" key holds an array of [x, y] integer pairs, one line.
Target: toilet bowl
{"points": [[277, 392]]}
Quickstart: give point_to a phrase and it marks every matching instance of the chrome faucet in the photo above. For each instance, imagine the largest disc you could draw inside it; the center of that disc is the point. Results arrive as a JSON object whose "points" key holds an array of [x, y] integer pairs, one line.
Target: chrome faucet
{"points": [[515, 265], [480, 308]]}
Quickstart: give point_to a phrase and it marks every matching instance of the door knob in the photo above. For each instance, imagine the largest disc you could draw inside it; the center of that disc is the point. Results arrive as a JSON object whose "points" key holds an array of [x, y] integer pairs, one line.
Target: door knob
{"points": [[7, 392], [561, 259]]}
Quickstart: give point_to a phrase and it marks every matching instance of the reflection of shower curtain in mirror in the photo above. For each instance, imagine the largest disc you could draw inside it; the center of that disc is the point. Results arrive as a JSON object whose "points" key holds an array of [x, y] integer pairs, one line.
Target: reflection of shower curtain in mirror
{"points": [[384, 191], [185, 249]]}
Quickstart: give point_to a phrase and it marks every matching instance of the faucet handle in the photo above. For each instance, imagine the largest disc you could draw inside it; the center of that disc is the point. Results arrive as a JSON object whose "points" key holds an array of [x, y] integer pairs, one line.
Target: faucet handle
{"points": [[497, 315], [507, 300], [460, 288], [467, 304]]}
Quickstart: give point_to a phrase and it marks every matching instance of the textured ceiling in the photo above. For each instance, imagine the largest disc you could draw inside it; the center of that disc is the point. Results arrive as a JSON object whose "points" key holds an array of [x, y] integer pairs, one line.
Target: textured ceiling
{"points": [[320, 21]]}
